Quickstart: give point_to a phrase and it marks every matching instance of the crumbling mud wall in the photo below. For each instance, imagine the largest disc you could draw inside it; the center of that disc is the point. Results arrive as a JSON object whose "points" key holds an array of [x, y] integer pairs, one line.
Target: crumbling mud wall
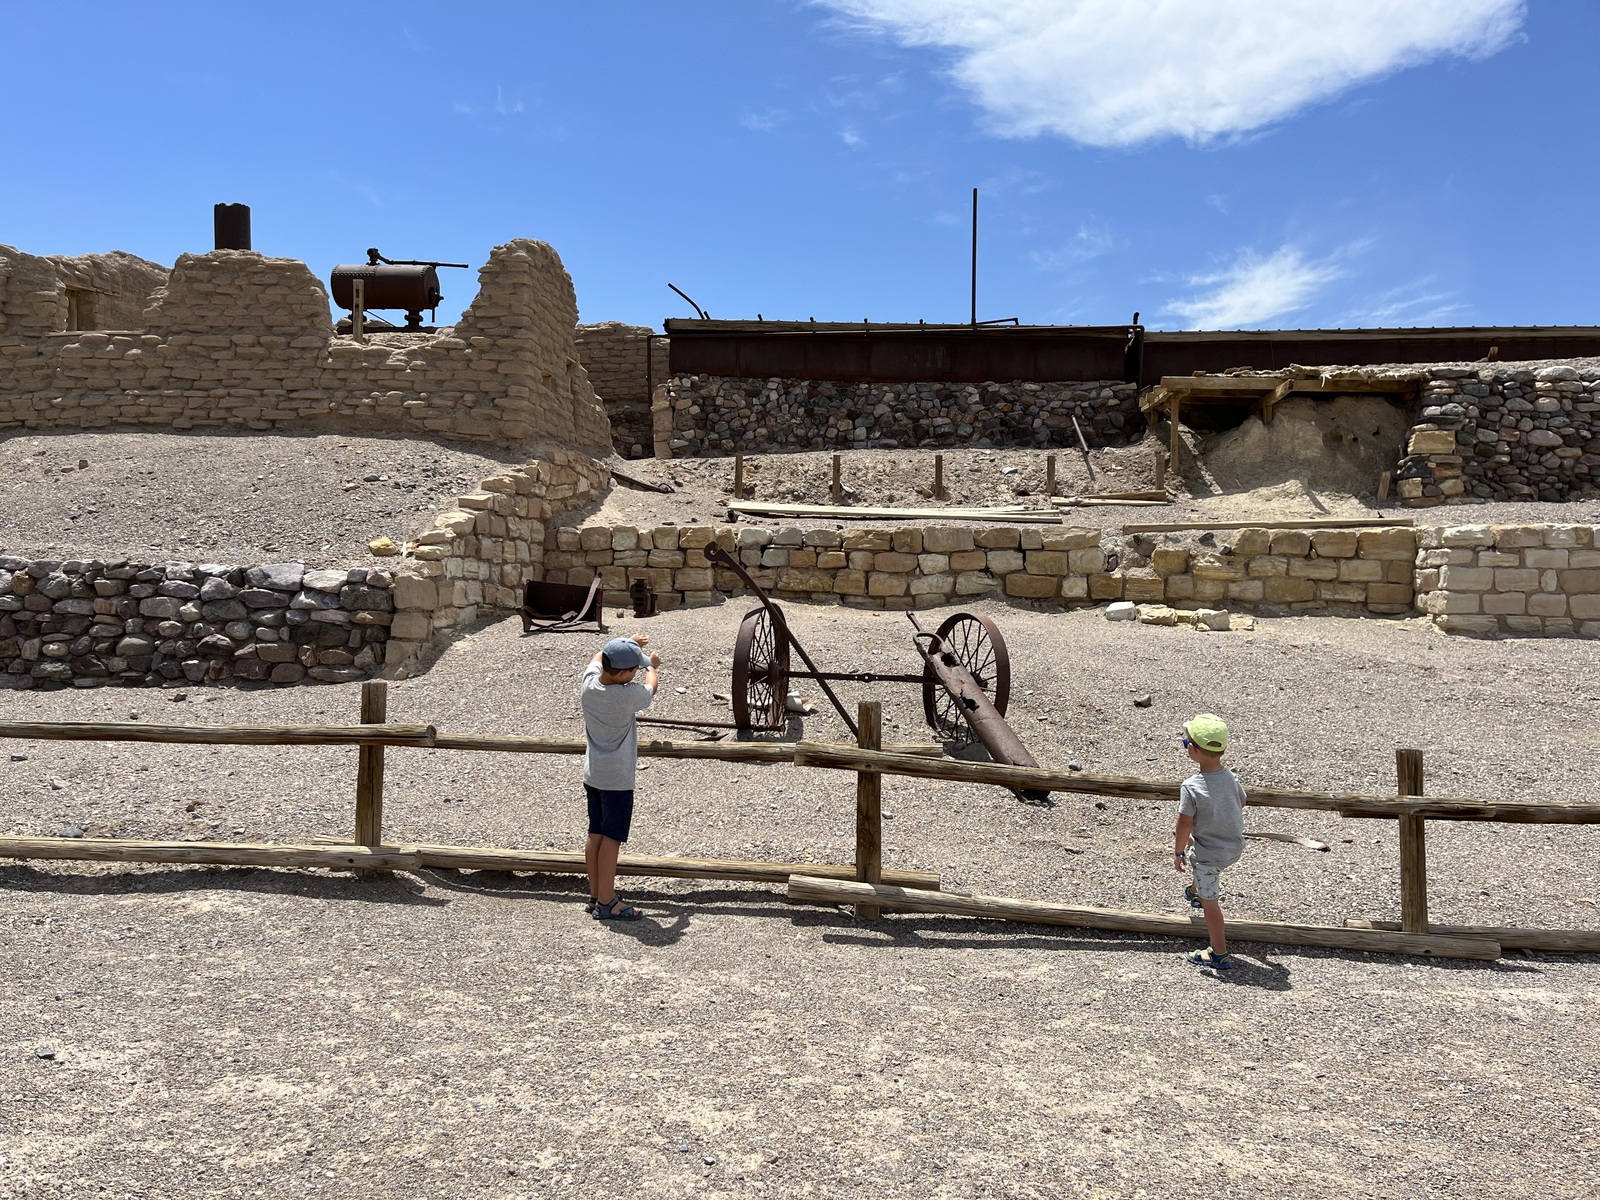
{"points": [[237, 340], [710, 415], [617, 357]]}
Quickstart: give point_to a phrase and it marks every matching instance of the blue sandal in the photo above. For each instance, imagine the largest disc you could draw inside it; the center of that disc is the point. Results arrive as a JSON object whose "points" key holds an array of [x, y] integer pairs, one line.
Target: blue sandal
{"points": [[1192, 896], [608, 912], [1210, 958]]}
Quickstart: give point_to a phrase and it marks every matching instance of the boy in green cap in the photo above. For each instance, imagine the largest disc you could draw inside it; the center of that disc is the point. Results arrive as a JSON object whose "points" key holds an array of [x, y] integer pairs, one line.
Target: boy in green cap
{"points": [[1210, 833]]}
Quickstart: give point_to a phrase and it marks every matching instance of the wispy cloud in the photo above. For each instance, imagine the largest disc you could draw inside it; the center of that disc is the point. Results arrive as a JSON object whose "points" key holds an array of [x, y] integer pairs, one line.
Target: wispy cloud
{"points": [[763, 122], [1090, 242], [851, 138], [1254, 290], [1412, 304], [502, 107], [1114, 73]]}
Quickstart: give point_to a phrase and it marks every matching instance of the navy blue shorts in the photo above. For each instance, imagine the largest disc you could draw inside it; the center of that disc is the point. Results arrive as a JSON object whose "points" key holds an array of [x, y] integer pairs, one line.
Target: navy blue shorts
{"points": [[610, 813]]}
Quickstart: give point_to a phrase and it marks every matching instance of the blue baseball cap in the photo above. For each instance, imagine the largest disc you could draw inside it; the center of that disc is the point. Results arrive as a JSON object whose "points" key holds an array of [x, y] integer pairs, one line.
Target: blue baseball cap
{"points": [[624, 654]]}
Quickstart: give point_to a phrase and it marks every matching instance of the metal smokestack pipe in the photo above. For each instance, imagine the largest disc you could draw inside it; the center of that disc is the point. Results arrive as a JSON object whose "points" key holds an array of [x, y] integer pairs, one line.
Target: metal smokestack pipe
{"points": [[974, 256], [232, 225]]}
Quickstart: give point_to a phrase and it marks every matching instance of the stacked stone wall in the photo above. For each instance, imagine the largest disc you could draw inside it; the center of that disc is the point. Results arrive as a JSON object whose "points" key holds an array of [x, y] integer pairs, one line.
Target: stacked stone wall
{"points": [[1353, 571], [56, 293], [710, 415], [238, 340], [1526, 579], [1513, 431], [90, 623], [616, 357]]}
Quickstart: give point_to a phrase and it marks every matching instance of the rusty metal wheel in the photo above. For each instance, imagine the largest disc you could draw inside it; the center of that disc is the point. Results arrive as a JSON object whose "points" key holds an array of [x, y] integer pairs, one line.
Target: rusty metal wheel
{"points": [[977, 645], [760, 672]]}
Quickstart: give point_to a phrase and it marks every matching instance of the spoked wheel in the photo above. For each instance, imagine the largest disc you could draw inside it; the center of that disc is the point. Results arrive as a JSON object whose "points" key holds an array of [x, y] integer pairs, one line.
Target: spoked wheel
{"points": [[977, 645], [760, 672]]}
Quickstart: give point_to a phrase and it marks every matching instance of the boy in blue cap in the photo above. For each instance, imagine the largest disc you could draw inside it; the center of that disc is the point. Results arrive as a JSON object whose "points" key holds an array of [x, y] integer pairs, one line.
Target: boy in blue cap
{"points": [[612, 691], [1210, 834]]}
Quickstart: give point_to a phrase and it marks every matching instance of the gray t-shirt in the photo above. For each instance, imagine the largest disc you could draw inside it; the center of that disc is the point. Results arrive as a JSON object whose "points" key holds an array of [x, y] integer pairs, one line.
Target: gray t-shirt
{"points": [[612, 753], [1216, 802]]}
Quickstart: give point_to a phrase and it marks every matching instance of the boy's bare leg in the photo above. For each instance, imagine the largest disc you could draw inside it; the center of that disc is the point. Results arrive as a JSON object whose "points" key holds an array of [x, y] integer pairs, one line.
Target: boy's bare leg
{"points": [[1215, 925], [591, 860], [605, 870]]}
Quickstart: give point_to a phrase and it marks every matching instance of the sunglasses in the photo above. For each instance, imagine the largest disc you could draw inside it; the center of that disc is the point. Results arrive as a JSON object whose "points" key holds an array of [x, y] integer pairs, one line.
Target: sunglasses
{"points": [[1187, 741]]}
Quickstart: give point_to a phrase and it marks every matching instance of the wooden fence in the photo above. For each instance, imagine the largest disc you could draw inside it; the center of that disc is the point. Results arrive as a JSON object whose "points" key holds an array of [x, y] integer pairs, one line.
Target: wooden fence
{"points": [[864, 882]]}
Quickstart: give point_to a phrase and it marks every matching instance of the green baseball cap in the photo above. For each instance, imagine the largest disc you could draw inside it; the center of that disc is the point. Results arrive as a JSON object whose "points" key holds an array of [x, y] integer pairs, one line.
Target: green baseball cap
{"points": [[1208, 731]]}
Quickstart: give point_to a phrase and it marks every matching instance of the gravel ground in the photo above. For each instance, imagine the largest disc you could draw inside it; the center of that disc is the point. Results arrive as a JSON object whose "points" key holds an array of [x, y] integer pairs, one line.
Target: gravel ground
{"points": [[213, 1032], [318, 499]]}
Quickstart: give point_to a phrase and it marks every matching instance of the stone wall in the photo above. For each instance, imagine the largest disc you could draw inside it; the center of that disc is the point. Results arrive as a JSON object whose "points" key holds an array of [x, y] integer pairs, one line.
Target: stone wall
{"points": [[1353, 571], [238, 340], [1511, 431], [1527, 579], [90, 623], [712, 415], [616, 356], [55, 294]]}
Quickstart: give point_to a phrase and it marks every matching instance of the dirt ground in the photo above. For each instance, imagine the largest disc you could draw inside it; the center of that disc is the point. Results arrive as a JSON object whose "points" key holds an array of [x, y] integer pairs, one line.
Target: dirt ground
{"points": [[200, 1032]]}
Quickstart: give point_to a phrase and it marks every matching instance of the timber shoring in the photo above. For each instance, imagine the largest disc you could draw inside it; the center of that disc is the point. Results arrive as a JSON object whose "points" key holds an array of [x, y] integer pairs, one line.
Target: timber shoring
{"points": [[1040, 912]]}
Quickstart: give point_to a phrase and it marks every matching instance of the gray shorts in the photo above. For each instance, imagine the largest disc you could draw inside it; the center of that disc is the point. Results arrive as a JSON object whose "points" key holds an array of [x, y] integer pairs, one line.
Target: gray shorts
{"points": [[1208, 876]]}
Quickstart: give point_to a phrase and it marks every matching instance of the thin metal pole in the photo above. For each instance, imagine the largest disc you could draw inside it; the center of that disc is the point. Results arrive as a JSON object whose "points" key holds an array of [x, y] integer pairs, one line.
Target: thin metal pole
{"points": [[974, 256]]}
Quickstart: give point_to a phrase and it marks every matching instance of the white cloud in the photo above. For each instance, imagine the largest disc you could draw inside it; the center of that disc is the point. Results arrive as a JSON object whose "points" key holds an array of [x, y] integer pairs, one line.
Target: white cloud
{"points": [[1120, 72], [1091, 241], [1255, 290], [1411, 305], [851, 138]]}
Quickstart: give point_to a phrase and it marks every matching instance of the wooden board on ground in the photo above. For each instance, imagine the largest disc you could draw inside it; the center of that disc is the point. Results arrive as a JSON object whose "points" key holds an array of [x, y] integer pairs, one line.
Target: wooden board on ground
{"points": [[1040, 912], [1271, 523], [219, 854], [220, 735], [1002, 516], [1556, 941]]}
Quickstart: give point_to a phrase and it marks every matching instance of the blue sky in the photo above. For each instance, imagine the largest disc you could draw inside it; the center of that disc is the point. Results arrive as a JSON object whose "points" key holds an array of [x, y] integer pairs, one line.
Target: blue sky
{"points": [[1230, 164]]}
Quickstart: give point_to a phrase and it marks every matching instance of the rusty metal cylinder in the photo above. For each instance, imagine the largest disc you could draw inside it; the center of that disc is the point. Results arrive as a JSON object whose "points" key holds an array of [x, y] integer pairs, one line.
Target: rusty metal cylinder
{"points": [[231, 224], [397, 285]]}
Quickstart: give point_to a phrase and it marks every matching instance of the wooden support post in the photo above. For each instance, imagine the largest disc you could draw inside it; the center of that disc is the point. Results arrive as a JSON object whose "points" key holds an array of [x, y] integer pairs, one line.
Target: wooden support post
{"points": [[1413, 847], [835, 491], [1383, 484], [1161, 472], [938, 477], [1049, 474], [358, 309], [1172, 450], [369, 767], [738, 477], [869, 806]]}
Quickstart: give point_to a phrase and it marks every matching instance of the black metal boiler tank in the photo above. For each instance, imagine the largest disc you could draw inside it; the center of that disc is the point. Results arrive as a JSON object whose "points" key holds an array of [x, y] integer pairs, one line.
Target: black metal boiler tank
{"points": [[408, 284]]}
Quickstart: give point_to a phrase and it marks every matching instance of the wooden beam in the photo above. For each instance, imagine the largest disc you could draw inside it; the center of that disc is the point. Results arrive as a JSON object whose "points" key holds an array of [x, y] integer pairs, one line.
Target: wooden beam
{"points": [[938, 477], [1004, 516], [1157, 494], [738, 477], [1050, 475], [1106, 502], [1273, 523], [1350, 804], [869, 805], [835, 489], [1554, 941], [369, 767], [220, 735], [1413, 847], [659, 866], [1220, 383], [222, 854], [1040, 912], [735, 752], [1173, 445]]}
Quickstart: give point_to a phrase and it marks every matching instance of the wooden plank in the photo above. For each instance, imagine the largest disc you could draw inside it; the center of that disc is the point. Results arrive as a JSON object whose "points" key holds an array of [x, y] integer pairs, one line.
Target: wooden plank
{"points": [[735, 752], [658, 866], [1384, 478], [835, 489], [1175, 443], [1440, 808], [1413, 846], [1202, 384], [222, 854], [1041, 912], [869, 805], [220, 735], [369, 767], [1106, 502], [1273, 523], [1158, 494], [738, 477], [1050, 475], [938, 477], [1554, 941], [1008, 516]]}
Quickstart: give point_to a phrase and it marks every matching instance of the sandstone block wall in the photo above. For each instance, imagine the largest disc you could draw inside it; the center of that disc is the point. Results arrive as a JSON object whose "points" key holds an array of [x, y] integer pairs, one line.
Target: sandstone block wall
{"points": [[1527, 579], [1514, 431], [708, 415], [1357, 572], [90, 623], [239, 340], [616, 357]]}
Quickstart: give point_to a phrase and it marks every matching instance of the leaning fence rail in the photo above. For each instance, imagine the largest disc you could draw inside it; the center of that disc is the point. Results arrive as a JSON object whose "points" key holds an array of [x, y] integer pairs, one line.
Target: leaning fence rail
{"points": [[864, 882]]}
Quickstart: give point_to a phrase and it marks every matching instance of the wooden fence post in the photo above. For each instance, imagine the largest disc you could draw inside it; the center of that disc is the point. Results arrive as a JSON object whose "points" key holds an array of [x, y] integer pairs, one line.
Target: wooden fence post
{"points": [[938, 477], [738, 477], [1172, 451], [369, 767], [1161, 472], [1049, 474], [869, 806], [1413, 847], [835, 491]]}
